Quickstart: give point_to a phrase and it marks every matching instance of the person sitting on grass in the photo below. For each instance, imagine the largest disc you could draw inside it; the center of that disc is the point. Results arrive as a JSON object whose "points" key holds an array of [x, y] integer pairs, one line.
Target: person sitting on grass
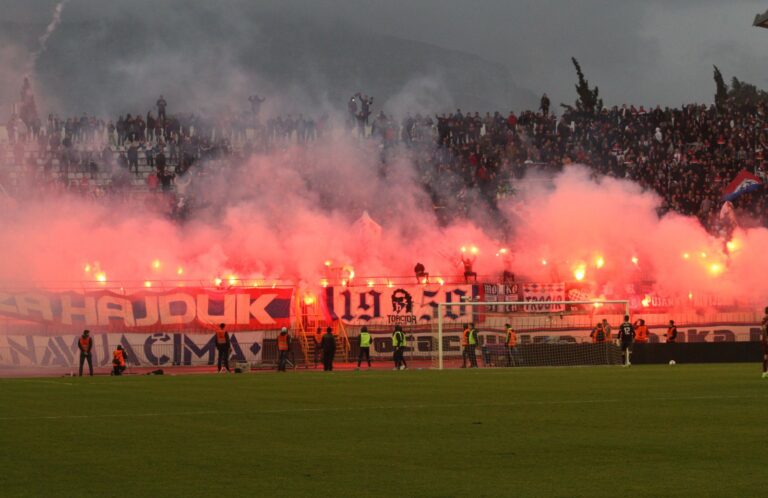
{"points": [[118, 361]]}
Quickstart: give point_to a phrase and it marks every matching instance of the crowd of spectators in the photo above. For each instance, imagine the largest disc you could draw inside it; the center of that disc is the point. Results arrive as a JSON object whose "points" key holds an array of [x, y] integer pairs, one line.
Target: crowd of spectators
{"points": [[687, 155], [465, 159]]}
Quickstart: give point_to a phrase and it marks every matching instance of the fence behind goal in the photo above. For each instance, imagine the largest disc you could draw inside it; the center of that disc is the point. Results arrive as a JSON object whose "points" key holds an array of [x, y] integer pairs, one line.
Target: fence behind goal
{"points": [[554, 333]]}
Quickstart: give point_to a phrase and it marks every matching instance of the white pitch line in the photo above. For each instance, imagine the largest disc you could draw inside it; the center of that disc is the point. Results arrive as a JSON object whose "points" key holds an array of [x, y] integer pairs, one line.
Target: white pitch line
{"points": [[367, 408], [47, 382]]}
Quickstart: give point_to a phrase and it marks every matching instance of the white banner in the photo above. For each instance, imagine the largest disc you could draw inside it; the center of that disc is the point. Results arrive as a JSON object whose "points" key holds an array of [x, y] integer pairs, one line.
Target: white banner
{"points": [[497, 293], [404, 305], [540, 294]]}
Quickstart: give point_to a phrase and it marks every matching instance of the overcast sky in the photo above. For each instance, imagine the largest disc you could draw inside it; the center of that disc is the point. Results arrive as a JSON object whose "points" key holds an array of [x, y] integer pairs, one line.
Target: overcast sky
{"points": [[639, 51]]}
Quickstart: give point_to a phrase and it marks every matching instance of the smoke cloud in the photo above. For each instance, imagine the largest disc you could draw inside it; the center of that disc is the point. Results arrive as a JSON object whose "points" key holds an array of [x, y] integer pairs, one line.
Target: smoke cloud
{"points": [[280, 216], [49, 30]]}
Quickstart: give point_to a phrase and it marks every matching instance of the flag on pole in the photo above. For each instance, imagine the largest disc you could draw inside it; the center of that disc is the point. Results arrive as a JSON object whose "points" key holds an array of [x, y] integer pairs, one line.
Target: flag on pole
{"points": [[743, 183]]}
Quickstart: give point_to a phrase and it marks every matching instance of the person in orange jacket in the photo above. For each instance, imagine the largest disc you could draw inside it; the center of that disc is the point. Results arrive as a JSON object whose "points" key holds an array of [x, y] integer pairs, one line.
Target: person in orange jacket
{"points": [[283, 346], [641, 332], [118, 361], [222, 346], [85, 345]]}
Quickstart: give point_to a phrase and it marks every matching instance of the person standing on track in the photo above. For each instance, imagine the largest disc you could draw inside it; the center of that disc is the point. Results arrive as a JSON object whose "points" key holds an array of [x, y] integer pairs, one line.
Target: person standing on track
{"points": [[511, 341], [472, 346], [764, 340], [626, 338], [641, 332], [318, 341], [671, 336], [465, 345], [598, 333], [671, 333], [607, 330], [85, 344], [222, 346], [398, 347], [283, 346], [365, 347], [328, 344]]}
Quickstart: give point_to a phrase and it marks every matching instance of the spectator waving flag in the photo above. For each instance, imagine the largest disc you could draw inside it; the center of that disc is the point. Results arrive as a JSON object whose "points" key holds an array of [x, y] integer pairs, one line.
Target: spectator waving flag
{"points": [[743, 183]]}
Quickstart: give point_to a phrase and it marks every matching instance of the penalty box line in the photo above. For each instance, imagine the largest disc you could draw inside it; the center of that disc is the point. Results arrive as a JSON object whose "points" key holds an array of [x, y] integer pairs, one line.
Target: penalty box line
{"points": [[423, 406]]}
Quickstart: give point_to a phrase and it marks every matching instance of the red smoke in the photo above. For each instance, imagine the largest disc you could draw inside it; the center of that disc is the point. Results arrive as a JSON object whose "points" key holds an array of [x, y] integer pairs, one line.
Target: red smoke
{"points": [[281, 216]]}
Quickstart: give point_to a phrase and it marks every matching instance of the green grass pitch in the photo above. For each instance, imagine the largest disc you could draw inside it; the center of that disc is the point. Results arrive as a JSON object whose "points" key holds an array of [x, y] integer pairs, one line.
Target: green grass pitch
{"points": [[684, 430]]}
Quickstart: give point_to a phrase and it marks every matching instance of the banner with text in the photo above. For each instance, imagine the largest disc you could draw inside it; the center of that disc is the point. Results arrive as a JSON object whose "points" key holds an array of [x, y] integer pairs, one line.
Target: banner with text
{"points": [[403, 305], [172, 310], [538, 295], [146, 350]]}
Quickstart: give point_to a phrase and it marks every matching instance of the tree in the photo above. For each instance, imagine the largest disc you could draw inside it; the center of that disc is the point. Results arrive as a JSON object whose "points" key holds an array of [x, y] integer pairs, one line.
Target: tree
{"points": [[588, 100], [746, 96], [721, 90]]}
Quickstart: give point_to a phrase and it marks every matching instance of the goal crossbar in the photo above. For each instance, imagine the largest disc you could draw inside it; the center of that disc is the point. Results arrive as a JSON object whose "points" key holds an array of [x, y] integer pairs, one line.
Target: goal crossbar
{"points": [[441, 312]]}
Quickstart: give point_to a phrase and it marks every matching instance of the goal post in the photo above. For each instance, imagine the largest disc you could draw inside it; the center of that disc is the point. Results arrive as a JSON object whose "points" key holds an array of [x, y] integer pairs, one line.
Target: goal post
{"points": [[549, 333]]}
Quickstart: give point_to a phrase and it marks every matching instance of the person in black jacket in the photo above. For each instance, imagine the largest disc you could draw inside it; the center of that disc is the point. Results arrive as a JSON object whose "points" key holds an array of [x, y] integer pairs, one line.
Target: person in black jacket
{"points": [[328, 343]]}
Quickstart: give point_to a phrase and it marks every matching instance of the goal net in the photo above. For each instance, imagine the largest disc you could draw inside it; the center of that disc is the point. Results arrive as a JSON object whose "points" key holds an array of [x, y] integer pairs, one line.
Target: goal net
{"points": [[552, 333]]}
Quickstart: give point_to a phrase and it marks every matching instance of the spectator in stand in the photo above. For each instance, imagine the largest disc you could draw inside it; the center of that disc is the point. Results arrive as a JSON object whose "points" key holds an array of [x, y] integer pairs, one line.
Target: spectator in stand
{"points": [[256, 102], [421, 273], [468, 264], [161, 105], [166, 179], [133, 158], [544, 105]]}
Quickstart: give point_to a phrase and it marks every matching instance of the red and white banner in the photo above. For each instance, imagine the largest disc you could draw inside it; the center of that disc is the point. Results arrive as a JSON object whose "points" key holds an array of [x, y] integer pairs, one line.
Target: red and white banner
{"points": [[171, 310]]}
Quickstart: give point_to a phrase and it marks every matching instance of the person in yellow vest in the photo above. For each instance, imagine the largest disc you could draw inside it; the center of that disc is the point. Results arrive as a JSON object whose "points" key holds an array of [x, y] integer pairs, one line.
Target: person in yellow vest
{"points": [[511, 341], [398, 347], [222, 346], [465, 346], [85, 345], [283, 346], [365, 347], [118, 361], [472, 346]]}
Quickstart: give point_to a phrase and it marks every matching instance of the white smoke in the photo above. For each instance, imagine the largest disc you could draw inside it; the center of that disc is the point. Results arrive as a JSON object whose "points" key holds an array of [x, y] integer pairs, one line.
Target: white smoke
{"points": [[42, 42]]}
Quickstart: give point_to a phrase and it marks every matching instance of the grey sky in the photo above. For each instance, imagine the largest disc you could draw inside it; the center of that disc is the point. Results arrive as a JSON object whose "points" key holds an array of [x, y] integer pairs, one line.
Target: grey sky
{"points": [[634, 50], [644, 52]]}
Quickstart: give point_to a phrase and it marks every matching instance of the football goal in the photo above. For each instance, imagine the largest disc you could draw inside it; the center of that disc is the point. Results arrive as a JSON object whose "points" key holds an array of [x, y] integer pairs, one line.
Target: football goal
{"points": [[543, 333]]}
